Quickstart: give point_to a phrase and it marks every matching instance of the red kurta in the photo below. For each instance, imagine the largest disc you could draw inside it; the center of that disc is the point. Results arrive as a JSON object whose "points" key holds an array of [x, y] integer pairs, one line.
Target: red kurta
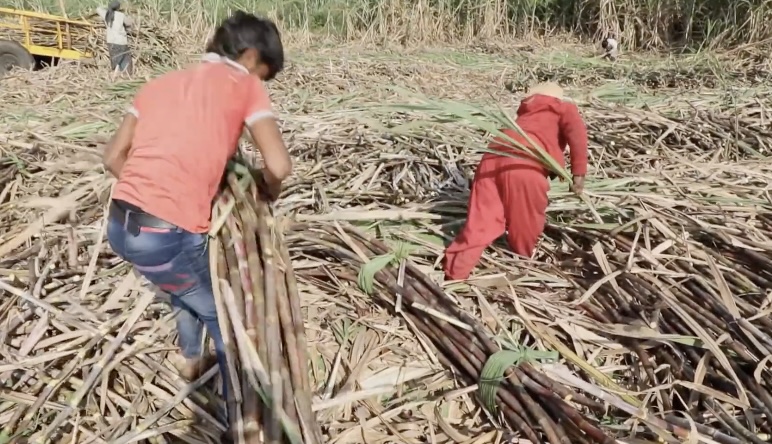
{"points": [[510, 194]]}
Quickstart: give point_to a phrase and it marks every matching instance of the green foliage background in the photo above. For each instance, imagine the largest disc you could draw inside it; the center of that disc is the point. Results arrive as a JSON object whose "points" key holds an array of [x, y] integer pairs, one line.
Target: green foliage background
{"points": [[692, 24]]}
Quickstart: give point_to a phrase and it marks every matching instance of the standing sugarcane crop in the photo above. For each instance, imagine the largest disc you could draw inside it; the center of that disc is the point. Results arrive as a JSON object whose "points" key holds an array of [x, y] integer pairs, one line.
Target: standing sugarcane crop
{"points": [[509, 192], [169, 155]]}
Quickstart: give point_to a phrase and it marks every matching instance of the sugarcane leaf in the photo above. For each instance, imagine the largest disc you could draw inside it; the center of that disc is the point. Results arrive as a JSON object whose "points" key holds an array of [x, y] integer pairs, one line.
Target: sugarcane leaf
{"points": [[339, 331], [237, 165], [603, 227], [457, 287], [403, 249], [497, 364], [492, 373], [345, 330], [365, 225], [366, 278], [490, 121], [431, 238]]}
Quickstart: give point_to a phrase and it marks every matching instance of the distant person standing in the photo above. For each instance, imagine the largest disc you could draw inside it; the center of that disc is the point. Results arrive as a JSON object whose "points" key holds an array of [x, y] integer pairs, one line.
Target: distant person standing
{"points": [[118, 26]]}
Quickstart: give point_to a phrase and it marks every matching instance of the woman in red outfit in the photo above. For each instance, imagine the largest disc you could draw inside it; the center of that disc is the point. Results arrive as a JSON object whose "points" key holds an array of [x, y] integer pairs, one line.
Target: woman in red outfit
{"points": [[509, 194]]}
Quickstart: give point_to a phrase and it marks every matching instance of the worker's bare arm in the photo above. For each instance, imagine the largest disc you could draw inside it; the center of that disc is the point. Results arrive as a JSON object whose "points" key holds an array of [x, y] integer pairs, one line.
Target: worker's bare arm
{"points": [[267, 137], [574, 131], [117, 148]]}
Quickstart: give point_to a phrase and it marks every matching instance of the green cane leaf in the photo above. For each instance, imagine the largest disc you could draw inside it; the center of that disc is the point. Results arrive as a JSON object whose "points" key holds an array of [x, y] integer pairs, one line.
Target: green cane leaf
{"points": [[403, 249], [497, 364], [493, 373], [366, 278]]}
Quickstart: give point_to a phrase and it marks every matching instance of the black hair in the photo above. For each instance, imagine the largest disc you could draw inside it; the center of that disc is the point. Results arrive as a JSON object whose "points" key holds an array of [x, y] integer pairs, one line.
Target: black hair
{"points": [[604, 44], [110, 14], [242, 31]]}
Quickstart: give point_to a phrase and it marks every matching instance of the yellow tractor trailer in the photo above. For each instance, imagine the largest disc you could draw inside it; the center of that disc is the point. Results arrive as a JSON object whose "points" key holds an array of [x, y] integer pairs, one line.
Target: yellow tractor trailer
{"points": [[25, 35]]}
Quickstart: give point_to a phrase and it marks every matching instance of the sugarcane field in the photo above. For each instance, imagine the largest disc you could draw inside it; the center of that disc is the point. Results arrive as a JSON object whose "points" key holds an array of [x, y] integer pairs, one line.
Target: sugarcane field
{"points": [[342, 312]]}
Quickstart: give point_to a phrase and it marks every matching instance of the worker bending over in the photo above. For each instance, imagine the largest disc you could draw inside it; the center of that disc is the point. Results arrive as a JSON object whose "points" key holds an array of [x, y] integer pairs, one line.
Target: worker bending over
{"points": [[509, 194], [169, 156], [610, 49]]}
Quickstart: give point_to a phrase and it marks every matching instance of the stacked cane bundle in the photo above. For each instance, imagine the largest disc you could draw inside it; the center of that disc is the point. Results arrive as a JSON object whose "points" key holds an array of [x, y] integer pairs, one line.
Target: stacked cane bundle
{"points": [[529, 401], [45, 32], [261, 320]]}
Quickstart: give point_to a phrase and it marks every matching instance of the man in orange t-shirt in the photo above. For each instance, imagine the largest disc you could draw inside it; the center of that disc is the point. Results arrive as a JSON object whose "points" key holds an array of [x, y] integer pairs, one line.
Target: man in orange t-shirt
{"points": [[169, 155]]}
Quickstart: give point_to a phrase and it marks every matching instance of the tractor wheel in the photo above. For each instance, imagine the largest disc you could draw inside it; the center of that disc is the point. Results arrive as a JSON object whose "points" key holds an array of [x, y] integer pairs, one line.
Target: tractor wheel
{"points": [[13, 55]]}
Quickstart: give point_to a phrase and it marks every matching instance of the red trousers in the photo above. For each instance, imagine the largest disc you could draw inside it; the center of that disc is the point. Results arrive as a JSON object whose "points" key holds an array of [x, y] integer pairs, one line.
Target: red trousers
{"points": [[507, 195]]}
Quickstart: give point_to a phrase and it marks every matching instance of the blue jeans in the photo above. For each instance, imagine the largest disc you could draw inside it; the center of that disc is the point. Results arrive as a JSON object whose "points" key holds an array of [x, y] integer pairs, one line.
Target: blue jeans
{"points": [[177, 262]]}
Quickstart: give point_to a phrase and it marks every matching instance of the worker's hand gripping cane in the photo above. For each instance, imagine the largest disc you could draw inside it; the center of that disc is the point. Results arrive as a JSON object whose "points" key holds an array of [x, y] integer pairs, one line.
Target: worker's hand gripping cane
{"points": [[269, 187]]}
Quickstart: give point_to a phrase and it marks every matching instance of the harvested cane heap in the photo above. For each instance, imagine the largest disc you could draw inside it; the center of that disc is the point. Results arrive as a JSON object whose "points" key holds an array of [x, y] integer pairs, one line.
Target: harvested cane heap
{"points": [[658, 314], [259, 307]]}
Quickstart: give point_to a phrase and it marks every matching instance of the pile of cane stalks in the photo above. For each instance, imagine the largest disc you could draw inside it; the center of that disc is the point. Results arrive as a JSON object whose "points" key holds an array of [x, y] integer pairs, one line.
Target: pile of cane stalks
{"points": [[43, 32], [692, 384], [527, 399], [260, 316], [655, 313]]}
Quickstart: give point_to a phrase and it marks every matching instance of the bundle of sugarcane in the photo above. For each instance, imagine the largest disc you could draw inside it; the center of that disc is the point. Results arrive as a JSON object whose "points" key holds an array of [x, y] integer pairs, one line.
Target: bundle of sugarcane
{"points": [[261, 320], [522, 397], [44, 32]]}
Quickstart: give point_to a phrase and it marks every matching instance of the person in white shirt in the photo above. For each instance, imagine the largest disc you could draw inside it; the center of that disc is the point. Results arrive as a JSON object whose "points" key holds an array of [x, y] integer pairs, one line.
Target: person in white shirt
{"points": [[118, 26], [611, 49]]}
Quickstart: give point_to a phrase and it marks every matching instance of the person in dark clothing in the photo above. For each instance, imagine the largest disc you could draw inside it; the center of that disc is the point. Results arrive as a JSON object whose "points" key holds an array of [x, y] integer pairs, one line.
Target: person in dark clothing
{"points": [[118, 27], [610, 49]]}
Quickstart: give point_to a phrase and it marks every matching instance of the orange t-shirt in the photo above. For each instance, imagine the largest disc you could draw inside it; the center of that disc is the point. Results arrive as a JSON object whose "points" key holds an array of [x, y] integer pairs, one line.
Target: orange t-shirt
{"points": [[188, 126]]}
